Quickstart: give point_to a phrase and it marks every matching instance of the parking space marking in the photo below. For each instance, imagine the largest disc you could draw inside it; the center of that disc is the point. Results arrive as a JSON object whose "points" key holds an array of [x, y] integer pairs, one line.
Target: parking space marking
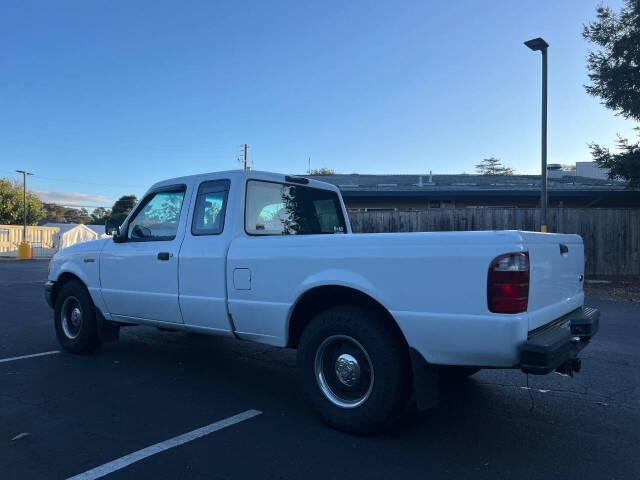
{"points": [[122, 462], [11, 359]]}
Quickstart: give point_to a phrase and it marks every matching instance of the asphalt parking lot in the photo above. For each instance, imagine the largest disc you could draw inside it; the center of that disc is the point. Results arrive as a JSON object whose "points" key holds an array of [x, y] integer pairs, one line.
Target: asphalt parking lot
{"points": [[62, 415]]}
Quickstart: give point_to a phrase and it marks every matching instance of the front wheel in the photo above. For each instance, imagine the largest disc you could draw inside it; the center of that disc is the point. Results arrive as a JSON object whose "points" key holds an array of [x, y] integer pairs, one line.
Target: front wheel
{"points": [[355, 368], [75, 319]]}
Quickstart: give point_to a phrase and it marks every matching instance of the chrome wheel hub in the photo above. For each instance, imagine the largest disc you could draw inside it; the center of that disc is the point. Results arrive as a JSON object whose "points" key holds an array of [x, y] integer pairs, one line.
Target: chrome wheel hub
{"points": [[347, 369], [71, 317], [344, 371]]}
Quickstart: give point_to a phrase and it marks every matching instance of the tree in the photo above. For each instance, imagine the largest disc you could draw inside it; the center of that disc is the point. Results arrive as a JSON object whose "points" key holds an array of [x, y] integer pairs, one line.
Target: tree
{"points": [[77, 215], [61, 214], [614, 71], [625, 164], [122, 207], [493, 166], [322, 171], [12, 206], [54, 213], [99, 215]]}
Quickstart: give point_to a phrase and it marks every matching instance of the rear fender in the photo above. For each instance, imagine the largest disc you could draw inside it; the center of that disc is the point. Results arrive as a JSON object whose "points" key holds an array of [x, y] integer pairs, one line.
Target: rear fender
{"points": [[340, 278]]}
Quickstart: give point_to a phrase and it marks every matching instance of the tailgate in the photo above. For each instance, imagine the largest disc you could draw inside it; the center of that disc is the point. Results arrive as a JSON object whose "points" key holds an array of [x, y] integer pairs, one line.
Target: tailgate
{"points": [[557, 273]]}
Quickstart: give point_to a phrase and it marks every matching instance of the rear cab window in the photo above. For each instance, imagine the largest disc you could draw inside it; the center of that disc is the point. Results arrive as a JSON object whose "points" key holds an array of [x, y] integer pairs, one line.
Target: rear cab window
{"points": [[210, 208], [281, 209]]}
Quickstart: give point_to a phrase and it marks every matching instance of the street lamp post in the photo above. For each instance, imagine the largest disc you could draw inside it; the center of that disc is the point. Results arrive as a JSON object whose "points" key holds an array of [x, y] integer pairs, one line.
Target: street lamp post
{"points": [[538, 44], [23, 249]]}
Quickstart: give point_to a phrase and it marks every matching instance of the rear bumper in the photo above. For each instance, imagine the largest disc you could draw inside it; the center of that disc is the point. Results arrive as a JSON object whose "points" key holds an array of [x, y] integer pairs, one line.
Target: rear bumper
{"points": [[556, 345], [49, 287]]}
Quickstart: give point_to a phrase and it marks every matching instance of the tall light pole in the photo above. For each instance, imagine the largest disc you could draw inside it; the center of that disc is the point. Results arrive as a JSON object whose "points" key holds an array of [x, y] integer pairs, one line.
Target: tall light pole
{"points": [[24, 203], [538, 44]]}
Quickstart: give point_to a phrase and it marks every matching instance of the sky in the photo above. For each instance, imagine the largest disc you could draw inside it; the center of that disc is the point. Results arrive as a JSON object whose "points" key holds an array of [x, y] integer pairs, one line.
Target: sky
{"points": [[101, 99]]}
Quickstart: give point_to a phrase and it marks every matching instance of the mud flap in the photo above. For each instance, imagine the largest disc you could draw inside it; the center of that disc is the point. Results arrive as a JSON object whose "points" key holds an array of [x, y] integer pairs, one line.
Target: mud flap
{"points": [[425, 381], [107, 331]]}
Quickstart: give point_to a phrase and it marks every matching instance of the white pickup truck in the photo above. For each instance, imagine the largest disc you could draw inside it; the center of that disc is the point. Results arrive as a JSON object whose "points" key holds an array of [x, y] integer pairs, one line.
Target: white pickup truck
{"points": [[376, 318]]}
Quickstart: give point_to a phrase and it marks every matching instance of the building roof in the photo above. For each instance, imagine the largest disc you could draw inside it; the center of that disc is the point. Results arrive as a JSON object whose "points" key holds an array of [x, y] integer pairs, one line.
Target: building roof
{"points": [[466, 185]]}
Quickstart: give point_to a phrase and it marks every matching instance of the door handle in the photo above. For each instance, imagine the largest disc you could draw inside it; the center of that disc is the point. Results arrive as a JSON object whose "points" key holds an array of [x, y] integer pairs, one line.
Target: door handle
{"points": [[164, 256]]}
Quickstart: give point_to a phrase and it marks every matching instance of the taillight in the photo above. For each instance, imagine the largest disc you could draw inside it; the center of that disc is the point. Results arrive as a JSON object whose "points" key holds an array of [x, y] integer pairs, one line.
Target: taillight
{"points": [[508, 283]]}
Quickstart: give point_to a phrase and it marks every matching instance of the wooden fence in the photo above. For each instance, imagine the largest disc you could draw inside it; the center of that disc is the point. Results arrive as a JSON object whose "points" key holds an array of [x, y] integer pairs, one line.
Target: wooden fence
{"points": [[611, 235]]}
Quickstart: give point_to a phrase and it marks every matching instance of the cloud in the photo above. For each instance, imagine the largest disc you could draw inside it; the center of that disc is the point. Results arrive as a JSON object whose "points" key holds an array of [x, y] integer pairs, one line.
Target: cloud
{"points": [[73, 199]]}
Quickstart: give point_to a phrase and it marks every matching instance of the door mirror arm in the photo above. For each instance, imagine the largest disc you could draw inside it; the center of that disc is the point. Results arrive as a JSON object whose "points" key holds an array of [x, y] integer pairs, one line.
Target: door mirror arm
{"points": [[117, 236], [121, 234]]}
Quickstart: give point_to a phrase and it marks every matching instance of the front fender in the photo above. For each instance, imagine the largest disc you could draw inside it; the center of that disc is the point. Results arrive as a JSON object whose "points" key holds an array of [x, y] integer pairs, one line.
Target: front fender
{"points": [[86, 267], [70, 267]]}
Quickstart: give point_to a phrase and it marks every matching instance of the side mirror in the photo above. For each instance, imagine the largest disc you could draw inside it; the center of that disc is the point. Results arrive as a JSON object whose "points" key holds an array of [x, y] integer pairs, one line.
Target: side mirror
{"points": [[116, 231], [111, 228]]}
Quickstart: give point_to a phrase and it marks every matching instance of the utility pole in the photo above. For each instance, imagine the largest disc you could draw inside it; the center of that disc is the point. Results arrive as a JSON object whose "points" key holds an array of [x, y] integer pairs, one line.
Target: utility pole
{"points": [[23, 249], [24, 203], [244, 158], [539, 45], [309, 169]]}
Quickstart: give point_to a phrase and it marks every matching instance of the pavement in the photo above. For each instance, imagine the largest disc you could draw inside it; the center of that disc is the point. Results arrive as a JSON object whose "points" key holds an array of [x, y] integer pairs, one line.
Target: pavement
{"points": [[62, 415]]}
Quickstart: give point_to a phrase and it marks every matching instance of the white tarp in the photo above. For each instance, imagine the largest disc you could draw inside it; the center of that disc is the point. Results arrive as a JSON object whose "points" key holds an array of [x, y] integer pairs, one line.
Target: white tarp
{"points": [[99, 229], [72, 233]]}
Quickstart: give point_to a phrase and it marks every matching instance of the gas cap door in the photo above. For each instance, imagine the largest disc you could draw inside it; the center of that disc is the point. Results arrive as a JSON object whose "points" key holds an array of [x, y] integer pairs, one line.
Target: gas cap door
{"points": [[242, 279]]}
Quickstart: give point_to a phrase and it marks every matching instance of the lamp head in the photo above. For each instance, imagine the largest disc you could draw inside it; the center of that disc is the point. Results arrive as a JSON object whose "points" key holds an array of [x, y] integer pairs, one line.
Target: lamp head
{"points": [[537, 44]]}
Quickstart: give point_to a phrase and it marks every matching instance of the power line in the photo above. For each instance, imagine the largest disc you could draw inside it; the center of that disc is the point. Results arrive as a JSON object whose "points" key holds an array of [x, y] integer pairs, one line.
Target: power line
{"points": [[82, 182], [70, 205]]}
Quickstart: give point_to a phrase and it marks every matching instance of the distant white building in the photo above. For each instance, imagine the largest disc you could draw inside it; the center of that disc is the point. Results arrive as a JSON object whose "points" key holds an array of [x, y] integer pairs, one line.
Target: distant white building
{"points": [[591, 170], [71, 233]]}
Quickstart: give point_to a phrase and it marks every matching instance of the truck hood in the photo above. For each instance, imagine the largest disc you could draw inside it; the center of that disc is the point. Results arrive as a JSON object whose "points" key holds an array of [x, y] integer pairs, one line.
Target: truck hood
{"points": [[84, 247]]}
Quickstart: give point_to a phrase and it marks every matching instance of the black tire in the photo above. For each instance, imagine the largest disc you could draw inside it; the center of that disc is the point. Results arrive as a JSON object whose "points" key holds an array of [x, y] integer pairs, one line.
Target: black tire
{"points": [[453, 373], [76, 334], [380, 355]]}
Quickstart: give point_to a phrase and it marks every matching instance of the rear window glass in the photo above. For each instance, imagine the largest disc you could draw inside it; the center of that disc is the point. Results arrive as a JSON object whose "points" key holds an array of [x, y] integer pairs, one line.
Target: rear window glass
{"points": [[280, 209], [210, 206]]}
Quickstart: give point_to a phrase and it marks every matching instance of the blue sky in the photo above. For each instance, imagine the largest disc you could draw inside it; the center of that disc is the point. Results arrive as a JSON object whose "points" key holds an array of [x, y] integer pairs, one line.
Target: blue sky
{"points": [[101, 99]]}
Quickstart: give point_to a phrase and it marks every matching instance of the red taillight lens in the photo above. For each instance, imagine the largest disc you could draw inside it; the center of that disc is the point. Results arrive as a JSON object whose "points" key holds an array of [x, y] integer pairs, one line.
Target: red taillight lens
{"points": [[508, 283]]}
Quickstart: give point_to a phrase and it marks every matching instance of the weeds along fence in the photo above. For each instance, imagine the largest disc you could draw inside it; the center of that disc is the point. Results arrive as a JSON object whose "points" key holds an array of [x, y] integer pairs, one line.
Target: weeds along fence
{"points": [[611, 235]]}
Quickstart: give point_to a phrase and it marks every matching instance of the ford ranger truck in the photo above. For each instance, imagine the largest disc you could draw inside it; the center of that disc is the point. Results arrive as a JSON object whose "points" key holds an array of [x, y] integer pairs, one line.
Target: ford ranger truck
{"points": [[376, 319]]}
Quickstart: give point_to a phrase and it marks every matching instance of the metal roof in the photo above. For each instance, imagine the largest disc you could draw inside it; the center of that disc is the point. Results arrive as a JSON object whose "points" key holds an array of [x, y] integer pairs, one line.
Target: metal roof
{"points": [[357, 185]]}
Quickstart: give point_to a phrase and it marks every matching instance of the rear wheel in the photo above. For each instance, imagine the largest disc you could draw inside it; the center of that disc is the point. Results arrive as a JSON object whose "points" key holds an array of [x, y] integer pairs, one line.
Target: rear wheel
{"points": [[355, 368], [75, 319]]}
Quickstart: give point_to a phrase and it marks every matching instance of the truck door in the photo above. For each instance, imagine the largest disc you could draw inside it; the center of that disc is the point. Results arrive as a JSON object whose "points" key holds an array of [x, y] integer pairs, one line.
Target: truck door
{"points": [[139, 276], [203, 295]]}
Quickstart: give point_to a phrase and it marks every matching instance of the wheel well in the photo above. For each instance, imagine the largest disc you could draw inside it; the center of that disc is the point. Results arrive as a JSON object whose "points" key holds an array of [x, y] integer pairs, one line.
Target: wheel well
{"points": [[63, 279], [322, 298]]}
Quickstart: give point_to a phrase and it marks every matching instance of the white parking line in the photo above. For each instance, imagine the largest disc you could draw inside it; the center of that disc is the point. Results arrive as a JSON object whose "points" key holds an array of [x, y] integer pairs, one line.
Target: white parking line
{"points": [[11, 359], [122, 462]]}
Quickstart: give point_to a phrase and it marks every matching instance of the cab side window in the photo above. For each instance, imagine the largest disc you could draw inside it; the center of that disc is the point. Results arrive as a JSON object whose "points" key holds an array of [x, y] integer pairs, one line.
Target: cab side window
{"points": [[158, 217], [281, 209], [210, 208]]}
